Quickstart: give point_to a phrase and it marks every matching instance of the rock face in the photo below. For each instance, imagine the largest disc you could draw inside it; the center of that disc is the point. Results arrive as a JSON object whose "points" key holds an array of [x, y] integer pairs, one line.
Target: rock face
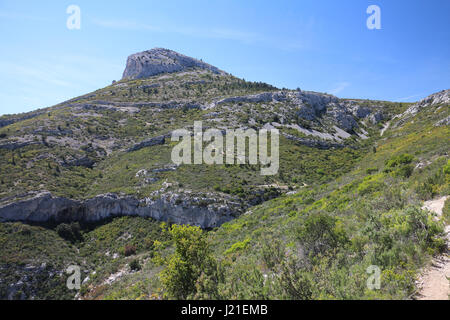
{"points": [[17, 145], [311, 106], [436, 99], [150, 142], [255, 98], [152, 62], [442, 97], [81, 162], [205, 212], [6, 121]]}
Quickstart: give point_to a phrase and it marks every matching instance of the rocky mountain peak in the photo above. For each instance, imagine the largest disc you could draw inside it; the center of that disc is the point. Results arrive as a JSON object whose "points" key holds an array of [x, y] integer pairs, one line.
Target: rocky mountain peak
{"points": [[159, 60]]}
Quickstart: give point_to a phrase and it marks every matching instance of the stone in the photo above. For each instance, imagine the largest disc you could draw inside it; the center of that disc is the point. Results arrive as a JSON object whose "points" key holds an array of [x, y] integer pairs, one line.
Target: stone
{"points": [[376, 117]]}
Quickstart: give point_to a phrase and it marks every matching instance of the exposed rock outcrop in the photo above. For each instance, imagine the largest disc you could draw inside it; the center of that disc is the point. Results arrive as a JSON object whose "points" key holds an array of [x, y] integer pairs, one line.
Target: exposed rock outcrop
{"points": [[133, 107], [442, 97], [255, 98], [7, 120], [81, 162], [156, 61], [436, 99], [160, 140], [443, 122], [14, 145], [204, 210], [311, 106]]}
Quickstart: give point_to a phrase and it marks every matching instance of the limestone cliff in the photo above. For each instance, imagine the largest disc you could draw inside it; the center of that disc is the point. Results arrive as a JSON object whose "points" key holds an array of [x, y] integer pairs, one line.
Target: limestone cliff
{"points": [[203, 211], [152, 62]]}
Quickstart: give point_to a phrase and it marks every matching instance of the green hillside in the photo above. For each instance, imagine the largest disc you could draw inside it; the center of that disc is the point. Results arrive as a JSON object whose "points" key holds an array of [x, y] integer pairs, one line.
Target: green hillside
{"points": [[348, 195]]}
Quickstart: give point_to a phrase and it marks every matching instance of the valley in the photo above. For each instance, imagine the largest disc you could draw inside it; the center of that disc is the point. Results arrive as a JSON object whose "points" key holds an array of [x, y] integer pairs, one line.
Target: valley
{"points": [[91, 182]]}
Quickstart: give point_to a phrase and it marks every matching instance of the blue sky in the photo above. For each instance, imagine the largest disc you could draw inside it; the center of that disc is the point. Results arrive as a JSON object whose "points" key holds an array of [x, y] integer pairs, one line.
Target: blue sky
{"points": [[315, 45]]}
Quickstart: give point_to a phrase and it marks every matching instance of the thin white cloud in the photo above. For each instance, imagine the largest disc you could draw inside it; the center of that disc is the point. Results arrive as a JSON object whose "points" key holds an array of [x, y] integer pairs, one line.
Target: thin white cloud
{"points": [[246, 37], [216, 33], [408, 99], [45, 81], [339, 87], [31, 73], [124, 25]]}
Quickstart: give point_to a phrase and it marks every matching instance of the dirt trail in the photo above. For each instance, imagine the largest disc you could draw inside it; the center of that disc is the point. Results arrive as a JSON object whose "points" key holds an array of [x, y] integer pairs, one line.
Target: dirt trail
{"points": [[385, 127], [434, 282]]}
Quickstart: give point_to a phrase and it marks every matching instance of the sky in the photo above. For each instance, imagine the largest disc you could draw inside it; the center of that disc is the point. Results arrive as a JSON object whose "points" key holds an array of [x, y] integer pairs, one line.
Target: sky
{"points": [[318, 45]]}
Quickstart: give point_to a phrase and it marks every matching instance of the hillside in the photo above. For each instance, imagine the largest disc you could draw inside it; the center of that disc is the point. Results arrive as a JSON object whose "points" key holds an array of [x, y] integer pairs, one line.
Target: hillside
{"points": [[93, 178]]}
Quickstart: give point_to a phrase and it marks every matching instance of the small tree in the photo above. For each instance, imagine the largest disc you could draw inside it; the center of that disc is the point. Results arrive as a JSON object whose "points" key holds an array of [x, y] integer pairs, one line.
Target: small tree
{"points": [[191, 267], [70, 232]]}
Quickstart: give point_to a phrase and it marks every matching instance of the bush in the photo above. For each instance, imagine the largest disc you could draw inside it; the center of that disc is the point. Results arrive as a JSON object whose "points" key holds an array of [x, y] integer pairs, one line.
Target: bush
{"points": [[432, 185], [371, 170], [273, 252], [129, 250], [238, 246], [70, 232], [135, 265], [446, 169], [191, 270], [321, 233], [446, 211], [370, 184], [399, 160], [296, 281], [404, 171], [400, 166]]}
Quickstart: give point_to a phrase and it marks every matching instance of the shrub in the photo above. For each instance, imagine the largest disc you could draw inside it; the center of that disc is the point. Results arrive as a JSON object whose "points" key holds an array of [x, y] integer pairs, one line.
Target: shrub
{"points": [[297, 283], [135, 265], [129, 250], [404, 171], [446, 211], [370, 184], [321, 232], [371, 170], [273, 252], [238, 246], [432, 185], [400, 166], [189, 269], [410, 224], [401, 159], [70, 232], [446, 169]]}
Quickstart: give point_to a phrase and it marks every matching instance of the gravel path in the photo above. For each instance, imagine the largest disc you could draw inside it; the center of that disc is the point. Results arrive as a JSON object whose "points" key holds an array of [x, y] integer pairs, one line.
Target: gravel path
{"points": [[434, 282]]}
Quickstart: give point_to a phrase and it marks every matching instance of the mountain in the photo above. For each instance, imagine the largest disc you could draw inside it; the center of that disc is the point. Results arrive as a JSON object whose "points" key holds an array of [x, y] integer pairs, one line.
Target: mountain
{"points": [[93, 139], [93, 177]]}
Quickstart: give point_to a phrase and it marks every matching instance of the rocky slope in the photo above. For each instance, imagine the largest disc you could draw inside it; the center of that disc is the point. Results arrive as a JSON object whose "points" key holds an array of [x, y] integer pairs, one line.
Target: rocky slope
{"points": [[439, 99]]}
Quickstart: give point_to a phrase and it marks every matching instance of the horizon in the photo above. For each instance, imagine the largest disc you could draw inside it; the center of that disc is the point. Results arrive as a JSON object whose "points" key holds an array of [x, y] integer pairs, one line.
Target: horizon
{"points": [[322, 47]]}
